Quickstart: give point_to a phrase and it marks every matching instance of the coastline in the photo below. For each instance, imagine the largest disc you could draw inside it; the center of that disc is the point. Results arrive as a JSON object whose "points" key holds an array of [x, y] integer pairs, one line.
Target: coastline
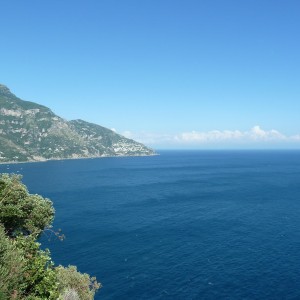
{"points": [[74, 158]]}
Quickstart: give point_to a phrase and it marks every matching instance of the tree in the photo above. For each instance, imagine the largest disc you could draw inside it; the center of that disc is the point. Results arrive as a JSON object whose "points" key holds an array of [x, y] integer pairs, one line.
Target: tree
{"points": [[26, 271], [71, 281], [11, 266], [21, 212]]}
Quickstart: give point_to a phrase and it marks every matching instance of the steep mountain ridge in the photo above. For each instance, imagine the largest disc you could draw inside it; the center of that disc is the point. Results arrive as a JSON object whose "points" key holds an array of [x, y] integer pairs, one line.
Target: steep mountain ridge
{"points": [[32, 132]]}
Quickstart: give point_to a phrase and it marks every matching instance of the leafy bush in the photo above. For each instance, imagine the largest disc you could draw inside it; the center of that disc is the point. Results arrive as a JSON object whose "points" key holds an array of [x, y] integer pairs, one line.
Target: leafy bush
{"points": [[11, 266], [70, 294], [26, 271], [21, 212], [39, 274], [71, 280]]}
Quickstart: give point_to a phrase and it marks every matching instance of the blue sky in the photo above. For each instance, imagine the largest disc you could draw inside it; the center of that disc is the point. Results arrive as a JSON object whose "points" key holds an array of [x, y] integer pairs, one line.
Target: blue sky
{"points": [[172, 74]]}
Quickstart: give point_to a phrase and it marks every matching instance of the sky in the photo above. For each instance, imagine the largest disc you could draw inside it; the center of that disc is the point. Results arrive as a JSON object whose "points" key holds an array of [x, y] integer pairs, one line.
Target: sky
{"points": [[192, 74]]}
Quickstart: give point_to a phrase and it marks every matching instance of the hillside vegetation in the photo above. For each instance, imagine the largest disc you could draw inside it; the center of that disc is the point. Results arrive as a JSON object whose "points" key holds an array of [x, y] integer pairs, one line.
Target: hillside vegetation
{"points": [[32, 132], [26, 271]]}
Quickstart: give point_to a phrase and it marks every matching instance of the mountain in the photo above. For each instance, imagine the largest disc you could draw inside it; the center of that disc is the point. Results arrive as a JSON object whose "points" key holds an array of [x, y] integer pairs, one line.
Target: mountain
{"points": [[32, 132]]}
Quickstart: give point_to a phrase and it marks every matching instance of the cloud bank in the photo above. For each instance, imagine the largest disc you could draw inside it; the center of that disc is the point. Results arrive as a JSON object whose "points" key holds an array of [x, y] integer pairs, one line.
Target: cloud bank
{"points": [[252, 137], [255, 134]]}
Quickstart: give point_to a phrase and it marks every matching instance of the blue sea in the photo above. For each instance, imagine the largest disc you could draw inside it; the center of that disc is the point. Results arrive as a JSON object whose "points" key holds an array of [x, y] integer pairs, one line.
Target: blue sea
{"points": [[181, 225]]}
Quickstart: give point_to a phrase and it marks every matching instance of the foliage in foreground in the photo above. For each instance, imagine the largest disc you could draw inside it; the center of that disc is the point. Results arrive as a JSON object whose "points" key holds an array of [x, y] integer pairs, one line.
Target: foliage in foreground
{"points": [[26, 271]]}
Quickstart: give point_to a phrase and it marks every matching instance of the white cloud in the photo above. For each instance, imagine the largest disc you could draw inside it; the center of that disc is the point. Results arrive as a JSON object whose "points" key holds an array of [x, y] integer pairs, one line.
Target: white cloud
{"points": [[148, 137], [295, 137], [210, 136], [256, 133], [255, 136]]}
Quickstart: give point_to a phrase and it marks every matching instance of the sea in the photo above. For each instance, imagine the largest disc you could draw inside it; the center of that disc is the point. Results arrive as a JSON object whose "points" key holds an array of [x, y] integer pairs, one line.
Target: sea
{"points": [[180, 225]]}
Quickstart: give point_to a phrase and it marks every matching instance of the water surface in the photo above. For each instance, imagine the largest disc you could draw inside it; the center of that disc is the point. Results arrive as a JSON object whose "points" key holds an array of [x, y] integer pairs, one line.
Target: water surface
{"points": [[182, 225]]}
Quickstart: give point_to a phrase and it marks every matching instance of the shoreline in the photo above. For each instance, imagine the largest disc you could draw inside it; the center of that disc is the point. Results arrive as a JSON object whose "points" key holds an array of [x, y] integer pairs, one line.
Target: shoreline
{"points": [[74, 158]]}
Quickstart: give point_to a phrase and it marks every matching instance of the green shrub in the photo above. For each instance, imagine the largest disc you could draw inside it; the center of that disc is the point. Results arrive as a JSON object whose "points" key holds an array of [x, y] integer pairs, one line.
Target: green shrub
{"points": [[21, 212], [11, 267], [71, 280], [26, 271], [39, 274]]}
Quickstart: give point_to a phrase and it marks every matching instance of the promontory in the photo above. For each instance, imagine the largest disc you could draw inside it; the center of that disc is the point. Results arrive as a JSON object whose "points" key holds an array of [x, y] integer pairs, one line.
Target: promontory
{"points": [[32, 132]]}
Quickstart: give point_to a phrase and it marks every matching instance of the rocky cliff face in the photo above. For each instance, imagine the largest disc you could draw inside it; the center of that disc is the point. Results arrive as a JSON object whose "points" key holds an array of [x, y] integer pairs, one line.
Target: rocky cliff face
{"points": [[32, 132]]}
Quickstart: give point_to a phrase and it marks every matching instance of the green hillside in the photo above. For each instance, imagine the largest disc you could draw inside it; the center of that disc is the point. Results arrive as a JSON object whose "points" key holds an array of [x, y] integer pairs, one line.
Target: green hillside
{"points": [[32, 132]]}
